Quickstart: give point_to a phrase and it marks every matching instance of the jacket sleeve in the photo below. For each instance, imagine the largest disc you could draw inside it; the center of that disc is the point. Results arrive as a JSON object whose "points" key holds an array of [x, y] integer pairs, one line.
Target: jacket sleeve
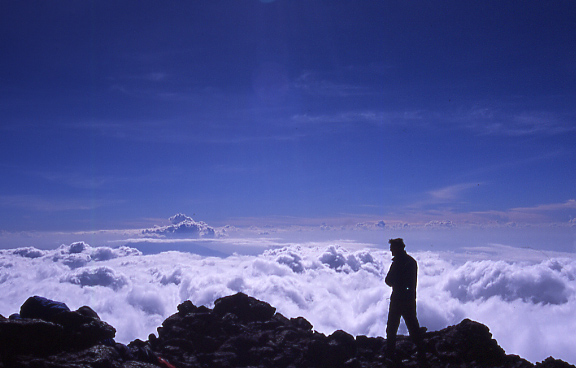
{"points": [[391, 276]]}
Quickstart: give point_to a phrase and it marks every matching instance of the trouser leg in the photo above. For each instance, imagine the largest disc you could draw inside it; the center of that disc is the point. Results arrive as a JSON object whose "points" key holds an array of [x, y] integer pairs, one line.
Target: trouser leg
{"points": [[409, 315], [411, 320], [394, 314]]}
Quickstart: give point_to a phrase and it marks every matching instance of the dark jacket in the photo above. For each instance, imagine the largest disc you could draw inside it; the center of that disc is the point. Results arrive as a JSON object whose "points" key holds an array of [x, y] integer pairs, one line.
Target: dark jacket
{"points": [[402, 277]]}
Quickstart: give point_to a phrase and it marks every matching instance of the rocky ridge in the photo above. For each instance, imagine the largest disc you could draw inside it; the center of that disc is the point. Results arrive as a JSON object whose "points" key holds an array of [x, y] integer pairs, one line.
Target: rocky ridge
{"points": [[239, 331]]}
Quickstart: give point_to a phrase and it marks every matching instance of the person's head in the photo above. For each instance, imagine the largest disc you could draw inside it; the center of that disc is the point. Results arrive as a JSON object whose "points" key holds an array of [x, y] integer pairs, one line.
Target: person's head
{"points": [[396, 246]]}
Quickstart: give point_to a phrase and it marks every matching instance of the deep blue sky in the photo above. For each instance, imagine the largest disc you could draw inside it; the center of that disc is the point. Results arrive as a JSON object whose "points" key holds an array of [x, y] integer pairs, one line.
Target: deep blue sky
{"points": [[113, 113]]}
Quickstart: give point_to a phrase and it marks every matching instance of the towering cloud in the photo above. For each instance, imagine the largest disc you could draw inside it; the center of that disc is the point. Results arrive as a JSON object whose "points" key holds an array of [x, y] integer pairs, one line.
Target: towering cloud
{"points": [[183, 225]]}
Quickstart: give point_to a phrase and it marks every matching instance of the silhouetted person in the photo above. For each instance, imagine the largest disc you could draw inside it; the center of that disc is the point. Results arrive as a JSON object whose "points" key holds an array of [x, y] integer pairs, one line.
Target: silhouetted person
{"points": [[402, 277]]}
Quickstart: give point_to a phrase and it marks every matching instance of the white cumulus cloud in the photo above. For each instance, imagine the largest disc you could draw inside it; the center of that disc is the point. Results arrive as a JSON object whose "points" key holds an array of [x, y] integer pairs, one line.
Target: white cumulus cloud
{"points": [[99, 276], [183, 225]]}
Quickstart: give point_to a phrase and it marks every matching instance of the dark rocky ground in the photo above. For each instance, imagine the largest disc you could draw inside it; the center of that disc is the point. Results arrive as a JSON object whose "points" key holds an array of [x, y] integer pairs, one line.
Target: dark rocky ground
{"points": [[239, 331]]}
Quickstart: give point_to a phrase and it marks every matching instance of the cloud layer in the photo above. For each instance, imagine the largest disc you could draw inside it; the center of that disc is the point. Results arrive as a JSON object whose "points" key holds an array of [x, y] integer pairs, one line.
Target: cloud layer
{"points": [[528, 305]]}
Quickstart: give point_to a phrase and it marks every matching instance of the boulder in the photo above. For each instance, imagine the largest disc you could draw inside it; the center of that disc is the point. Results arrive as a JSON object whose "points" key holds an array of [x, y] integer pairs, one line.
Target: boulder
{"points": [[246, 308], [468, 341]]}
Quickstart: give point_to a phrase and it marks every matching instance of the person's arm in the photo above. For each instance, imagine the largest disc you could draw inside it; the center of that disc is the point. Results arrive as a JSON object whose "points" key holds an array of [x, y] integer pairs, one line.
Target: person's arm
{"points": [[391, 276]]}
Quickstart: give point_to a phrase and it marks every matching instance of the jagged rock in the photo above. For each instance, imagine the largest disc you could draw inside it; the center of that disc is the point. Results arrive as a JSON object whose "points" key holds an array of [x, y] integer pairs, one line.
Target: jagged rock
{"points": [[68, 331], [134, 364], [241, 331], [30, 336], [186, 307], [246, 308], [553, 363], [301, 323], [82, 331], [467, 342], [95, 356]]}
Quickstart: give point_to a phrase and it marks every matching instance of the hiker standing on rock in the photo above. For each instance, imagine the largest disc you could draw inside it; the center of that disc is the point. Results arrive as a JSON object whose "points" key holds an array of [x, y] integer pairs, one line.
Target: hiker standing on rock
{"points": [[402, 277]]}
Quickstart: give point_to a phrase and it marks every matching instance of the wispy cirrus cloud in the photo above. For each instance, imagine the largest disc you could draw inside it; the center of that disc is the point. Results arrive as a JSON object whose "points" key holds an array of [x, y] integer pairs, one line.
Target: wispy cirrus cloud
{"points": [[510, 122], [220, 128], [451, 192], [76, 179], [569, 204], [37, 203], [312, 83], [379, 118], [439, 202], [562, 212], [158, 76], [454, 204], [551, 214], [139, 131], [485, 121]]}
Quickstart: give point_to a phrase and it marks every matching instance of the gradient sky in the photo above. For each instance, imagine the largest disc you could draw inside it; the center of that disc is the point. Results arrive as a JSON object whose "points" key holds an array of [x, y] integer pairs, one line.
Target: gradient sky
{"points": [[113, 113]]}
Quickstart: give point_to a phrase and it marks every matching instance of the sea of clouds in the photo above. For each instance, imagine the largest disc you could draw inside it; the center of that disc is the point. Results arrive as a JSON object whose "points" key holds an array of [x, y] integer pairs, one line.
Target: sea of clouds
{"points": [[528, 300]]}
